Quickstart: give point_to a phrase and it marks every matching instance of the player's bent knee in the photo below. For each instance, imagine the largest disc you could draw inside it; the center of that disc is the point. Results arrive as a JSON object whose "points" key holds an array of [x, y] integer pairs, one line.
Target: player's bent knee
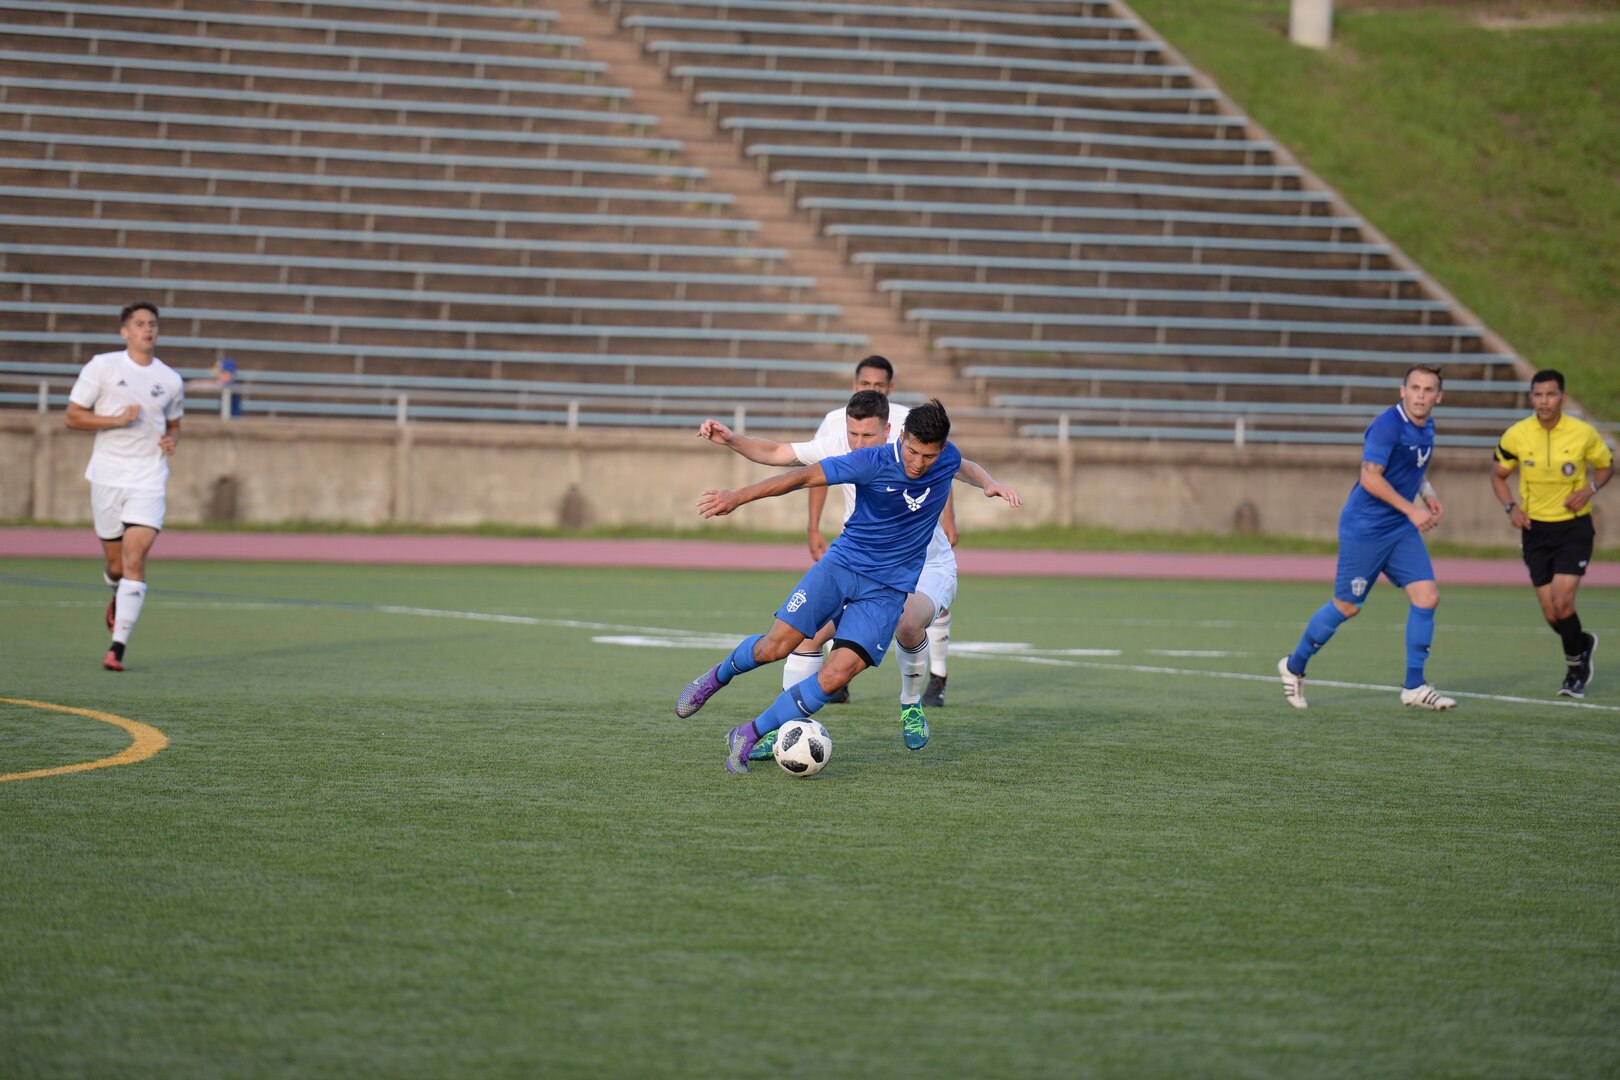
{"points": [[1347, 609]]}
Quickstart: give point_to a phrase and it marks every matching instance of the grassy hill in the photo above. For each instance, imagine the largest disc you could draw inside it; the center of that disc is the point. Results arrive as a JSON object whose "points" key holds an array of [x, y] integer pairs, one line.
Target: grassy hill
{"points": [[1480, 137]]}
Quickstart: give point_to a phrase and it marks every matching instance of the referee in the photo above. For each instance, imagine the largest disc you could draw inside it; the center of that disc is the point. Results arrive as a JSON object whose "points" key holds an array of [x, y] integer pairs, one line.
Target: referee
{"points": [[1552, 453]]}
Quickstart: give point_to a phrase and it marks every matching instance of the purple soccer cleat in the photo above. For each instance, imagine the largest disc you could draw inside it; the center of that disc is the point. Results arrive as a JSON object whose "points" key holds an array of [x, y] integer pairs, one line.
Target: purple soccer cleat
{"points": [[739, 742], [696, 692]]}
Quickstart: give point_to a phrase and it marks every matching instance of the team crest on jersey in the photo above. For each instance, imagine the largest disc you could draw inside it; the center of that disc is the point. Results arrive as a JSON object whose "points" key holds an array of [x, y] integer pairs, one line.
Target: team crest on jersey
{"points": [[1424, 455], [1358, 587], [797, 600], [157, 391], [916, 504], [1569, 468]]}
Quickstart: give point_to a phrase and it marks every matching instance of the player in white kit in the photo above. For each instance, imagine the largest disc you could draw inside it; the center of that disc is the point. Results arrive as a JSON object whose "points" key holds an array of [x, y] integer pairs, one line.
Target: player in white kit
{"points": [[936, 588], [939, 576], [133, 402]]}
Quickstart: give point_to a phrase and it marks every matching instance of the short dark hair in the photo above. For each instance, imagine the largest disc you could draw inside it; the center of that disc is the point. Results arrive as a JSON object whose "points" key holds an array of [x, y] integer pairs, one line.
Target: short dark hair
{"points": [[927, 423], [879, 362], [866, 404], [1548, 375], [139, 305], [1432, 369]]}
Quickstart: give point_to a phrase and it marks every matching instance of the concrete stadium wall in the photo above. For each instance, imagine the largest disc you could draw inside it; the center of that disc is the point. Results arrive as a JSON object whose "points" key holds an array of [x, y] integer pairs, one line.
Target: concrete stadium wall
{"points": [[375, 473]]}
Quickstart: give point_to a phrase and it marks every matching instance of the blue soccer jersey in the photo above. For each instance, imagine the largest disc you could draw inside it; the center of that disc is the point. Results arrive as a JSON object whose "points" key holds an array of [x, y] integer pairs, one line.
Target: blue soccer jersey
{"points": [[886, 538], [1403, 449]]}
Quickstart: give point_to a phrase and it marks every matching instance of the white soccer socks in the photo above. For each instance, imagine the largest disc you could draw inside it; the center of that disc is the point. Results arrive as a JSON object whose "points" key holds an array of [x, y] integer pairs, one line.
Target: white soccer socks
{"points": [[800, 666], [913, 671], [131, 595], [939, 643]]}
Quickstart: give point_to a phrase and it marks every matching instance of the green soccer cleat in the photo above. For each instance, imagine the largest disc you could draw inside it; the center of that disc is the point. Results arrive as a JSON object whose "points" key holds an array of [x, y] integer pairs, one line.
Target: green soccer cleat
{"points": [[762, 749], [914, 726]]}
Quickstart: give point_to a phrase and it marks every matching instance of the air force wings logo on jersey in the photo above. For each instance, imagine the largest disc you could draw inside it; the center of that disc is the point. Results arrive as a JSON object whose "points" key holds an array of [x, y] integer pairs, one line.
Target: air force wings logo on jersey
{"points": [[916, 504], [1423, 453]]}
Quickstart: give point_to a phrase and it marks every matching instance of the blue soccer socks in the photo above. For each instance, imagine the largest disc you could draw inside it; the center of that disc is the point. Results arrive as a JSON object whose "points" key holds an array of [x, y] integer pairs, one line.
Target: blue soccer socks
{"points": [[1419, 636], [740, 661], [801, 700], [1323, 624]]}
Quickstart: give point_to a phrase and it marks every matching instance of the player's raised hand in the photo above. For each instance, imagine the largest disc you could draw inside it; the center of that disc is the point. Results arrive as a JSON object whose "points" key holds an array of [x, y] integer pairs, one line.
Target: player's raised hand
{"points": [[999, 491], [717, 503], [715, 432]]}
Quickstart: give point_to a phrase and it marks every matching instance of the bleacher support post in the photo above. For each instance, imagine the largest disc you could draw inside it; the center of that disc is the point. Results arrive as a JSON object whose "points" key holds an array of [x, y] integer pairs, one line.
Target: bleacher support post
{"points": [[1065, 473], [1310, 23]]}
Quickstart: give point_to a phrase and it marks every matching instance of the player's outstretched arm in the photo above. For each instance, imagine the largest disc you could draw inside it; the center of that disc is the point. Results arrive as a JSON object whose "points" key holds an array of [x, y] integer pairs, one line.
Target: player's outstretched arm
{"points": [[722, 502], [971, 472], [763, 451]]}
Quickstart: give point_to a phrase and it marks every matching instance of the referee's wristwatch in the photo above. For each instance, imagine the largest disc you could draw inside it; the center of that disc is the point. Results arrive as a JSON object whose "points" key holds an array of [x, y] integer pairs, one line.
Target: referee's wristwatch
{"points": [[1507, 507]]}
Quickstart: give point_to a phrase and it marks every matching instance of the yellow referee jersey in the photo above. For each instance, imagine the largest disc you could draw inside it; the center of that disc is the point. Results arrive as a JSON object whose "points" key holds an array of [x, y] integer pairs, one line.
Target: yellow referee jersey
{"points": [[1552, 464]]}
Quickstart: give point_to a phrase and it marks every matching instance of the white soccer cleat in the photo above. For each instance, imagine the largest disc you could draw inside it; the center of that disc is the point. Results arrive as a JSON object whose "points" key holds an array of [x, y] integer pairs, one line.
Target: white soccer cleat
{"points": [[1293, 685], [1426, 697]]}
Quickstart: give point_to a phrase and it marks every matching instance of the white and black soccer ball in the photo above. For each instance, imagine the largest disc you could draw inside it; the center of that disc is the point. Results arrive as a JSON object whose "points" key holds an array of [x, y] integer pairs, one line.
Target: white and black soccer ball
{"points": [[803, 747]]}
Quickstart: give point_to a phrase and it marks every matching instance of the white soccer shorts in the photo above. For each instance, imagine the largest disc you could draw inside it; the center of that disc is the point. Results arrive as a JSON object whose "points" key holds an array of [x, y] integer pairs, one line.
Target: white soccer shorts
{"points": [[115, 507], [938, 581]]}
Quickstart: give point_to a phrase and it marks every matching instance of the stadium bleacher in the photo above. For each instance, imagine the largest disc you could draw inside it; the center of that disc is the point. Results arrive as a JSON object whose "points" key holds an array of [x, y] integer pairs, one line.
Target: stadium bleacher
{"points": [[336, 191], [368, 190]]}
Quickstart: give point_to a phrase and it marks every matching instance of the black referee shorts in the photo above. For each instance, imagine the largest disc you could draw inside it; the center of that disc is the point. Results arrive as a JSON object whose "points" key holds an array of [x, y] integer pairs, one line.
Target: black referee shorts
{"points": [[1558, 547]]}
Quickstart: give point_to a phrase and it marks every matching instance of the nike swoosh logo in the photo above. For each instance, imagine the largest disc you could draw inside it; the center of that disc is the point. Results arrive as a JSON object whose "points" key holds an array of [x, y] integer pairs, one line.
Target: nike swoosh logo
{"points": [[891, 489]]}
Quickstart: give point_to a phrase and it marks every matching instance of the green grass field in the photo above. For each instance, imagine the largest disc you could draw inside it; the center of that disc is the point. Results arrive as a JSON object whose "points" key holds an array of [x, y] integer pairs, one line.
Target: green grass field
{"points": [[387, 839]]}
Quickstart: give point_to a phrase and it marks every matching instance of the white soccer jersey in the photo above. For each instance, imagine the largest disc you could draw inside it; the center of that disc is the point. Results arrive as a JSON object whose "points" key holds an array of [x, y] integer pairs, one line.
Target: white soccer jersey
{"points": [[129, 457]]}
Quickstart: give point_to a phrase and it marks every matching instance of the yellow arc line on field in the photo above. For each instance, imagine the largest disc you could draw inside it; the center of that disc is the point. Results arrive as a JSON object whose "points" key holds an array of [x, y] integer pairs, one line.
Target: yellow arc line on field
{"points": [[148, 741]]}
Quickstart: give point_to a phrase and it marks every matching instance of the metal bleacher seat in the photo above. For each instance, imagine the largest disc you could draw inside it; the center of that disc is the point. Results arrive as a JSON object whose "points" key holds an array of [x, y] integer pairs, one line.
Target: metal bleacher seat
{"points": [[1340, 386], [356, 330], [1021, 187], [292, 267], [359, 80], [1060, 117], [1222, 275], [1309, 355], [953, 16], [1006, 294], [1047, 215], [986, 93], [315, 26], [890, 59], [298, 238], [967, 136], [351, 185], [624, 224], [352, 54], [1042, 325], [418, 135], [860, 36], [954, 238], [54, 144], [303, 297], [142, 94]]}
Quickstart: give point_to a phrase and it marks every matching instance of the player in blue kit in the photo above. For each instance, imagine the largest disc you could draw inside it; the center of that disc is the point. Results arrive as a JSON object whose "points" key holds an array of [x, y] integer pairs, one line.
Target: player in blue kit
{"points": [[863, 579], [1381, 532]]}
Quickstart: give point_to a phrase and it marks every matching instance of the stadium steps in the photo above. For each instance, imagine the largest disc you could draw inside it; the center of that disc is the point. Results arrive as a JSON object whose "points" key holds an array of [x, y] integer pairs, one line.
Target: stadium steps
{"points": [[1034, 190]]}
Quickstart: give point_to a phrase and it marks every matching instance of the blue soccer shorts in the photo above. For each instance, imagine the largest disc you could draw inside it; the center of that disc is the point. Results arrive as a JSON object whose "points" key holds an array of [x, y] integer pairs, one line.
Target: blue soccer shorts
{"points": [[1400, 555], [866, 611]]}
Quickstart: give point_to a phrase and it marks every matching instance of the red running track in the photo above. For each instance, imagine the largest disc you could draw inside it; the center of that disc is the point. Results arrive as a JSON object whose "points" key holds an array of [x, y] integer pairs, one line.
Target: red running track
{"points": [[37, 543]]}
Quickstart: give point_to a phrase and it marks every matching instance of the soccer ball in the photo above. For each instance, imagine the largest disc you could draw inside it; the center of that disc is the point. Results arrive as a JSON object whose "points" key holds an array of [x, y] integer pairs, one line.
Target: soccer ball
{"points": [[802, 747]]}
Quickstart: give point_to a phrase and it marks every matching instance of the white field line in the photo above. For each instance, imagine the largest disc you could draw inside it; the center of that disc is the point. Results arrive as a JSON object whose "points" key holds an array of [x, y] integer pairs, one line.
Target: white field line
{"points": [[675, 638]]}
